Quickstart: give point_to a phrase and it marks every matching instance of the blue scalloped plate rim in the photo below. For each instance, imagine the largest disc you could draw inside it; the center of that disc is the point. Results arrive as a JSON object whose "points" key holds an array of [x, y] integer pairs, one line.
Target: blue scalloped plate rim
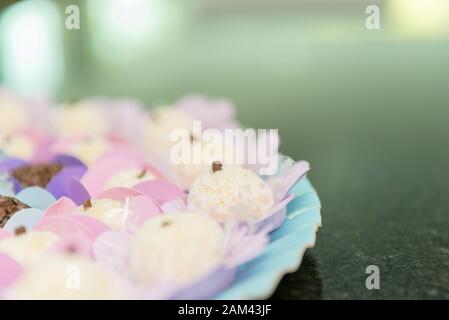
{"points": [[259, 278]]}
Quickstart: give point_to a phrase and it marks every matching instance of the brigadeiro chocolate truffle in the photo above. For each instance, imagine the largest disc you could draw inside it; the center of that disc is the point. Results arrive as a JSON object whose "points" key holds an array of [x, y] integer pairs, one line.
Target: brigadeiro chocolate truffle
{"points": [[8, 207], [38, 175]]}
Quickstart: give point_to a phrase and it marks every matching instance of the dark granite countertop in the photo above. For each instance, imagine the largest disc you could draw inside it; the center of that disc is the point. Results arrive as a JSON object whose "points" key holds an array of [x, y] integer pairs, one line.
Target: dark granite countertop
{"points": [[393, 216], [376, 133], [383, 178]]}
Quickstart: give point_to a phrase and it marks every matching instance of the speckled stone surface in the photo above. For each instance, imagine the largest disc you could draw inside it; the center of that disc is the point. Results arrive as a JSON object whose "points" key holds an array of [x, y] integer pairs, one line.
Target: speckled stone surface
{"points": [[373, 122], [392, 213]]}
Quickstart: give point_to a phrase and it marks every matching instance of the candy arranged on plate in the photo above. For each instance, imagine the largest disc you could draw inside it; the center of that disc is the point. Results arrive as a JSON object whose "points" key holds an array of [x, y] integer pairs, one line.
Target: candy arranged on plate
{"points": [[92, 185], [64, 276], [178, 247], [27, 247], [8, 207], [231, 193]]}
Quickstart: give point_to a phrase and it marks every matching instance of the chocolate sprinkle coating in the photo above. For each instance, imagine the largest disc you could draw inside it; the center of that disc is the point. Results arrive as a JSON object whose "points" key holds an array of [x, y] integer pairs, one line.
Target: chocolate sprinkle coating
{"points": [[87, 204], [8, 207], [71, 249], [166, 224], [216, 166], [38, 175], [20, 230], [142, 174]]}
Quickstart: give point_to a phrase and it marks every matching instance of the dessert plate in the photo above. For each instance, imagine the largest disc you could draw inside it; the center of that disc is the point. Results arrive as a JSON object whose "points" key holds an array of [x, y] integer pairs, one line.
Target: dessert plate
{"points": [[259, 278]]}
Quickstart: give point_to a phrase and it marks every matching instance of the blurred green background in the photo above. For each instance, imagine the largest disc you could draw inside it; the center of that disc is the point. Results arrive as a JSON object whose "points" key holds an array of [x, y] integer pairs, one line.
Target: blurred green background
{"points": [[368, 108]]}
